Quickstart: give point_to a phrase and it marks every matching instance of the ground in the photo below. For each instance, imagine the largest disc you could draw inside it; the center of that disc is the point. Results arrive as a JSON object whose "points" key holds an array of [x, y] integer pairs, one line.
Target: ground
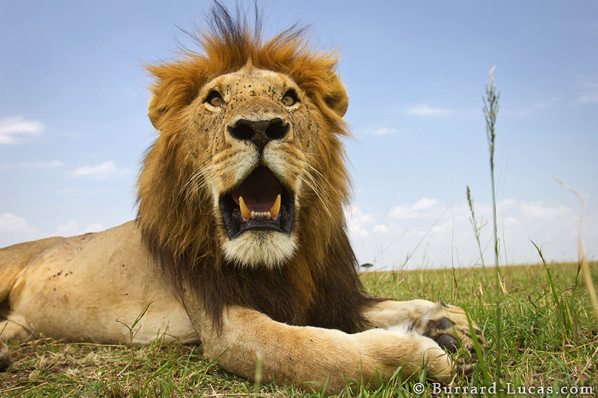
{"points": [[547, 337]]}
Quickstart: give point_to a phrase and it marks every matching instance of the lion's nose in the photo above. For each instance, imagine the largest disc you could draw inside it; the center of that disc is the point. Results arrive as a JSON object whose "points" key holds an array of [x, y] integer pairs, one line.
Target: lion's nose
{"points": [[260, 132]]}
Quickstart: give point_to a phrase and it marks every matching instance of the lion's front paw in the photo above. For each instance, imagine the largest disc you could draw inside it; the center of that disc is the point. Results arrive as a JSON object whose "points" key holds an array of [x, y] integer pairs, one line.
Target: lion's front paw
{"points": [[448, 326], [4, 356]]}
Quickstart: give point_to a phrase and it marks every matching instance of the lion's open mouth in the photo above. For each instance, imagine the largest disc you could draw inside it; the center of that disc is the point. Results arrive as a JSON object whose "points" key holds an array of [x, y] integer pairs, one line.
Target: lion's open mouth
{"points": [[260, 202]]}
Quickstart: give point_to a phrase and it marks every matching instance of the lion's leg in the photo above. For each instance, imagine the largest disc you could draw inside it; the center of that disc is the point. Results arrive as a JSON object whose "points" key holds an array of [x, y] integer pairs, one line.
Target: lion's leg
{"points": [[9, 330], [314, 358], [445, 324]]}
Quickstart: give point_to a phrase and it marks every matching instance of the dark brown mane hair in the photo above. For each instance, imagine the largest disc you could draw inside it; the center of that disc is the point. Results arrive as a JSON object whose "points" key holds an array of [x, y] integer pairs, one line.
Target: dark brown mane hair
{"points": [[320, 285]]}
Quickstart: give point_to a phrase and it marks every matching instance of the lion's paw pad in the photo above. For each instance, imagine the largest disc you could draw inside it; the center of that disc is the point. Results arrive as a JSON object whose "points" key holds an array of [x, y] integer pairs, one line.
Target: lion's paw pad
{"points": [[448, 326]]}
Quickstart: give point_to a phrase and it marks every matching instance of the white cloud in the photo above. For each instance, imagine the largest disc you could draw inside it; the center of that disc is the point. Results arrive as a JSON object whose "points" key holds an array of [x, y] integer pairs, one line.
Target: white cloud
{"points": [[510, 221], [67, 229], [417, 210], [537, 210], [102, 170], [15, 128], [380, 229], [49, 165], [357, 220], [12, 223], [72, 228], [425, 204], [425, 110], [428, 234], [507, 203], [14, 229], [97, 227]]}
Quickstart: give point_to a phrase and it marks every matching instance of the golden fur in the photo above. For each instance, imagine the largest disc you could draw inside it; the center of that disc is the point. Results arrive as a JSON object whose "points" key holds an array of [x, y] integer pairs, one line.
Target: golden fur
{"points": [[287, 296]]}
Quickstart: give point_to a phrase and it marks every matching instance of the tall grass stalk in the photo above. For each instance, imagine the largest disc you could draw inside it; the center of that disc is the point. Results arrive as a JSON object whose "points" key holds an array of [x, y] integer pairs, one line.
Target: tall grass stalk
{"points": [[583, 263], [490, 112], [490, 101], [563, 307], [477, 228]]}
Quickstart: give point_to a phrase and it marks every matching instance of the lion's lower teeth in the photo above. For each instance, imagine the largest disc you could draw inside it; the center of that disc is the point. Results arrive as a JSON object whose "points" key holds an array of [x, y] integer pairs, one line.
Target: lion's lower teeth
{"points": [[260, 214]]}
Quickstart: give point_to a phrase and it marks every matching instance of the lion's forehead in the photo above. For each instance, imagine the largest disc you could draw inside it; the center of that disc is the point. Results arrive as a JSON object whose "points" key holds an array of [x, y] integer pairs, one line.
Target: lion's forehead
{"points": [[248, 82]]}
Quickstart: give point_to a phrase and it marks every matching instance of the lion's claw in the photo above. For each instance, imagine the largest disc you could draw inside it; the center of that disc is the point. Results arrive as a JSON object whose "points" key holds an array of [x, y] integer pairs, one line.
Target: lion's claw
{"points": [[447, 342]]}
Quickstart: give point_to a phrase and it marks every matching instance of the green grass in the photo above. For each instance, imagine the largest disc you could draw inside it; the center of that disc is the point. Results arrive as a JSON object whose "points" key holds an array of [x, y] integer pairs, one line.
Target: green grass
{"points": [[549, 338]]}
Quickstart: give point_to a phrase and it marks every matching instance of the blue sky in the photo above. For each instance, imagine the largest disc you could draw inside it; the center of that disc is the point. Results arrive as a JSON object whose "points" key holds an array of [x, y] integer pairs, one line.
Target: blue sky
{"points": [[73, 126]]}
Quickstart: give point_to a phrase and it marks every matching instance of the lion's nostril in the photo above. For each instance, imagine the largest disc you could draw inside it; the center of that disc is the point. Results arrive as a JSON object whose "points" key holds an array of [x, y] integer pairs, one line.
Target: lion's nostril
{"points": [[259, 132], [277, 129], [241, 131]]}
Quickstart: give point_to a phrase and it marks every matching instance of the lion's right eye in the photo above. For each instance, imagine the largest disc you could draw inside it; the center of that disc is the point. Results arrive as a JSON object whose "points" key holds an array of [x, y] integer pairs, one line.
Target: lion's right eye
{"points": [[215, 99]]}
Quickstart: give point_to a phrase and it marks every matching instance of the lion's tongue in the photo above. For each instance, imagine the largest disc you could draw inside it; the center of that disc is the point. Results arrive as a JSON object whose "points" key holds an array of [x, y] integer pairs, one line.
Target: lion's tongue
{"points": [[259, 191], [259, 202]]}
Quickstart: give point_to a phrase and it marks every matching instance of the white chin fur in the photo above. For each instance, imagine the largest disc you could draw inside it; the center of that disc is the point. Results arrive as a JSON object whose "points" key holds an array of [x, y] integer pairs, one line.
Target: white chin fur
{"points": [[268, 249]]}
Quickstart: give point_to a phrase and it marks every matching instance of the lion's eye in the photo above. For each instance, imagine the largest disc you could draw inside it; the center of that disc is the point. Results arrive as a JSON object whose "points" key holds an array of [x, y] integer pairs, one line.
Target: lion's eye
{"points": [[290, 98], [214, 98]]}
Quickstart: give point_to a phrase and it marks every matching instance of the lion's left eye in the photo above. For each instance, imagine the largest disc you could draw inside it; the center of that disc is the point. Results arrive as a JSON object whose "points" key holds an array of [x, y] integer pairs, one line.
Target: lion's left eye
{"points": [[290, 98]]}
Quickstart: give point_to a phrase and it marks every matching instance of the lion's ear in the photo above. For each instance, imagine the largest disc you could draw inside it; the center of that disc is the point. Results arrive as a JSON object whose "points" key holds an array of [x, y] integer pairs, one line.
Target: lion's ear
{"points": [[154, 112], [336, 97], [176, 86]]}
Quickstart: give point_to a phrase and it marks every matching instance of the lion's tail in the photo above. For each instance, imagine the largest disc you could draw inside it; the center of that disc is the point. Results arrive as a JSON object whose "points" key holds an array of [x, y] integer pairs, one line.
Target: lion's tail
{"points": [[14, 259]]}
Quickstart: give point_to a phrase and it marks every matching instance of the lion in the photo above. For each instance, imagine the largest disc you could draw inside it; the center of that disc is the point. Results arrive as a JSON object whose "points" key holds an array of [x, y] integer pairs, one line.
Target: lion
{"points": [[240, 240]]}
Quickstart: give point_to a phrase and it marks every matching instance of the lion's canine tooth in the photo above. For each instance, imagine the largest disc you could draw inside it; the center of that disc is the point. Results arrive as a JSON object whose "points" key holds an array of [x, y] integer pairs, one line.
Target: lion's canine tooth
{"points": [[245, 213], [275, 209]]}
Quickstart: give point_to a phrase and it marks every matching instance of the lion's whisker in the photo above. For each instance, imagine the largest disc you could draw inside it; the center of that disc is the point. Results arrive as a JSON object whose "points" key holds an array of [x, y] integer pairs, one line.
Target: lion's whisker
{"points": [[321, 195]]}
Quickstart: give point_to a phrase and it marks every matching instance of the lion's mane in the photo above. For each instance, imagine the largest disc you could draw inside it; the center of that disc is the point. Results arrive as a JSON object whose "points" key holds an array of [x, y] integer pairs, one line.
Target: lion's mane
{"points": [[319, 286]]}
